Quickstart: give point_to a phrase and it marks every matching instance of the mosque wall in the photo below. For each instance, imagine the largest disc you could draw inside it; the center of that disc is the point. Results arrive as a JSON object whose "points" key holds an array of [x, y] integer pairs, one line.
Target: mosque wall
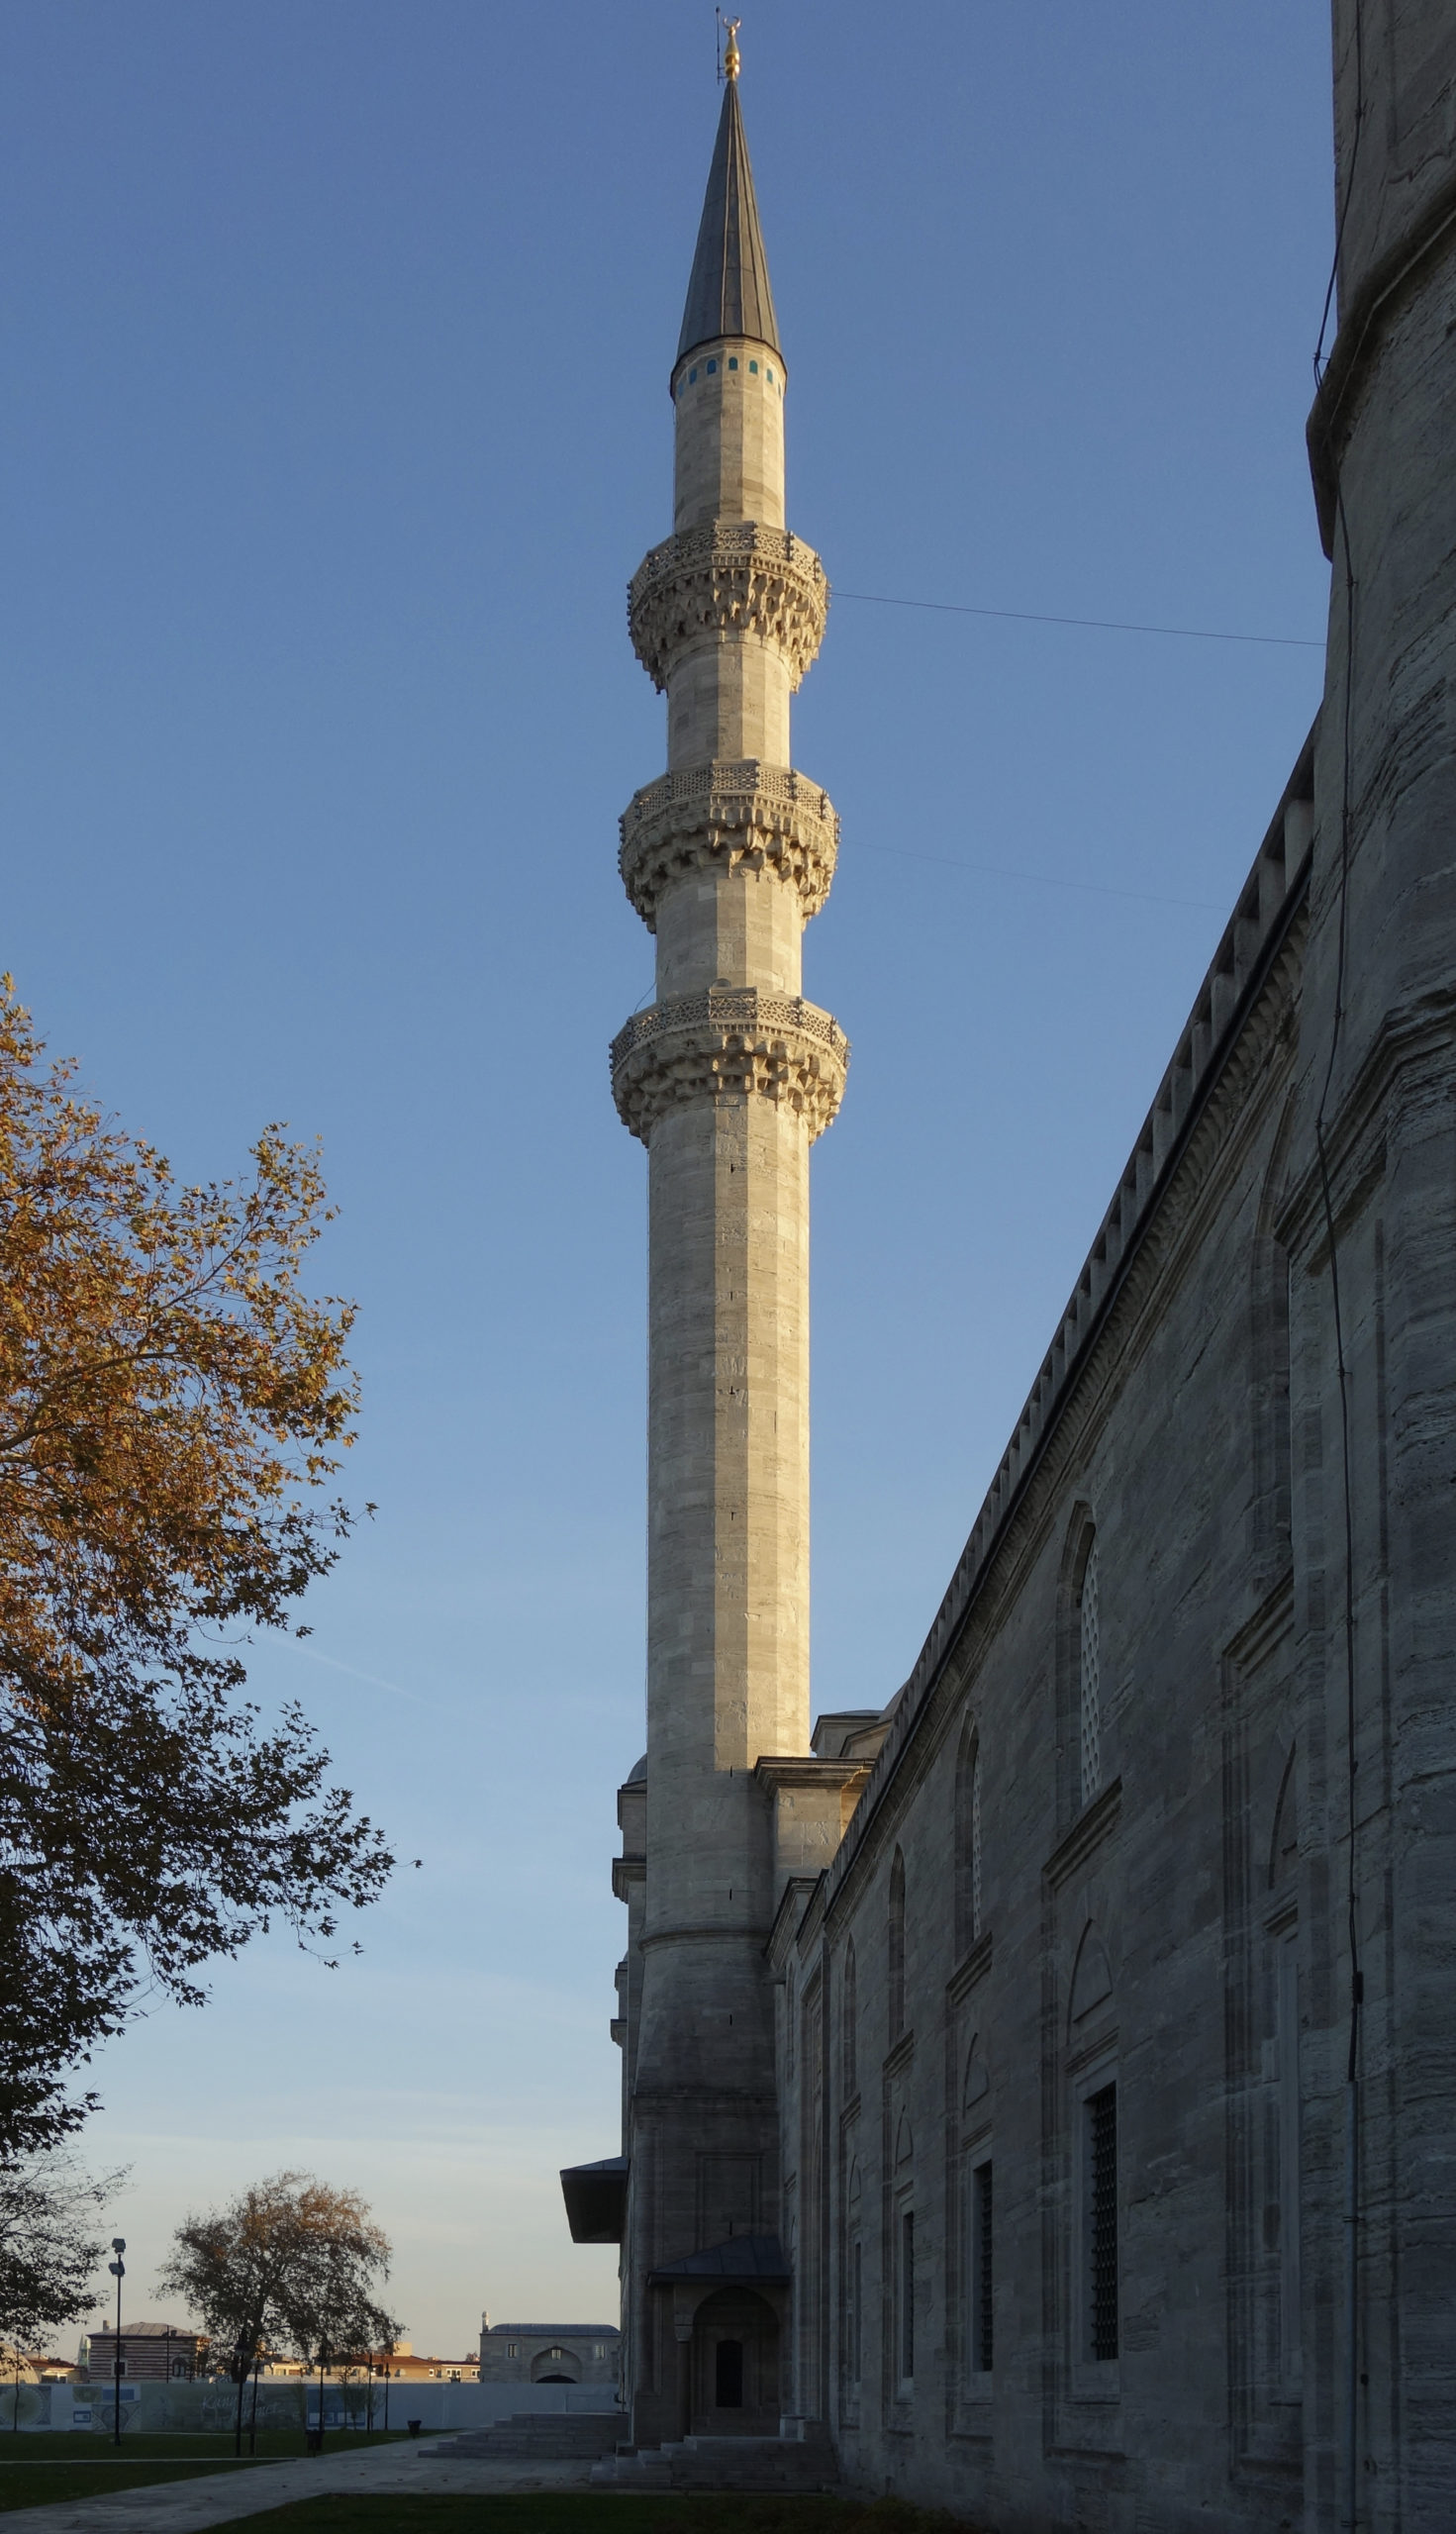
{"points": [[1048, 1995]]}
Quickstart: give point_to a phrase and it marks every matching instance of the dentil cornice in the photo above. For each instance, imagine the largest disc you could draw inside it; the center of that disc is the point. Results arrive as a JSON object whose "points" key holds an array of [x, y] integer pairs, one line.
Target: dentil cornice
{"points": [[728, 577], [729, 1039], [763, 817]]}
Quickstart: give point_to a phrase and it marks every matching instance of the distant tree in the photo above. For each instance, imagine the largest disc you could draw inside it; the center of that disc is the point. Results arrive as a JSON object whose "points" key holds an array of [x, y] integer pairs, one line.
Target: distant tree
{"points": [[49, 2247], [170, 1400], [291, 2265]]}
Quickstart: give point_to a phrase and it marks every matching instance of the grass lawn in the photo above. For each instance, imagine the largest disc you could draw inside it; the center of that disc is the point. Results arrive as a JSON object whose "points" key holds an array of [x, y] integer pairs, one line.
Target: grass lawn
{"points": [[38, 2484], [602, 2512]]}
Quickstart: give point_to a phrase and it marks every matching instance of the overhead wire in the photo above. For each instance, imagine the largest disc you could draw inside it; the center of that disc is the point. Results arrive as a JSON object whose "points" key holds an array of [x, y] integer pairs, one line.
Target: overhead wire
{"points": [[1038, 879], [1089, 623]]}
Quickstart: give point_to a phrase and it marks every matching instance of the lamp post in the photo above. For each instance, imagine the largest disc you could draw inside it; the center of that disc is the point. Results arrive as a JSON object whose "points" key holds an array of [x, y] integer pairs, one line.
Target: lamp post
{"points": [[323, 2363], [242, 2368], [118, 2270]]}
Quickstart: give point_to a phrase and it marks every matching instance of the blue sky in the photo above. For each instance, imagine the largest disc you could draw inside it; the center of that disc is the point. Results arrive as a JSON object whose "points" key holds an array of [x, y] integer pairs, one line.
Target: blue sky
{"points": [[334, 419]]}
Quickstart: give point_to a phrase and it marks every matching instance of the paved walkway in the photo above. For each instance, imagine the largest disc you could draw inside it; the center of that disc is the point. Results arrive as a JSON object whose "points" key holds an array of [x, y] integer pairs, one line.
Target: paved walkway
{"points": [[228, 2499]]}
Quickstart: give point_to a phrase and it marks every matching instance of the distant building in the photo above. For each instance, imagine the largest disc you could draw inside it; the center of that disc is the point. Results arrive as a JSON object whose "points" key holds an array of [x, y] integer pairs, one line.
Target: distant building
{"points": [[404, 2366], [152, 2353], [549, 2353]]}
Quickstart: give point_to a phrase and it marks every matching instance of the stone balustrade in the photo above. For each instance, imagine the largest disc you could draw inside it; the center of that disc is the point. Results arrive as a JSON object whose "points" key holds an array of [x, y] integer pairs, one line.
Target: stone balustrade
{"points": [[728, 1039], [728, 577], [721, 815]]}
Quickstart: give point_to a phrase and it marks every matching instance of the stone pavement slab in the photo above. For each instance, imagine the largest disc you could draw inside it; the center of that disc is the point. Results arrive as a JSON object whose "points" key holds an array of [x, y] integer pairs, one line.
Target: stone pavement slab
{"points": [[228, 2499]]}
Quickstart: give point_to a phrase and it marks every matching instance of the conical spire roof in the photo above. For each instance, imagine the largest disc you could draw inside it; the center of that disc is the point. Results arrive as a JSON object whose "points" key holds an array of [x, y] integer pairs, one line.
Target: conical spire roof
{"points": [[728, 293]]}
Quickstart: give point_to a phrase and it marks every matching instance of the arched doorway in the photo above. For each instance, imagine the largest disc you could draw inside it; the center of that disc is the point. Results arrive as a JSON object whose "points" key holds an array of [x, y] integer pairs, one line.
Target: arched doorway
{"points": [[736, 2366], [556, 2366]]}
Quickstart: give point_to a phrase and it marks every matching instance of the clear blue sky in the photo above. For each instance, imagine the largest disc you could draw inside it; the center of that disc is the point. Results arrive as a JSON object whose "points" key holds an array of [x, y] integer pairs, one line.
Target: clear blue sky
{"points": [[334, 419]]}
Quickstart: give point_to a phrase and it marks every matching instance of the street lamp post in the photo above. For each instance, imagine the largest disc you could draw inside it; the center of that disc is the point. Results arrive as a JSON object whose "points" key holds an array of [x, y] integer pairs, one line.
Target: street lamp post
{"points": [[323, 2363], [118, 2270], [241, 2369]]}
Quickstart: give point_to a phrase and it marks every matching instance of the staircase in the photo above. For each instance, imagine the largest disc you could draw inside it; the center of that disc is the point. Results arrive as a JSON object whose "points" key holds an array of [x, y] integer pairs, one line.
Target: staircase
{"points": [[540, 2437], [723, 2464]]}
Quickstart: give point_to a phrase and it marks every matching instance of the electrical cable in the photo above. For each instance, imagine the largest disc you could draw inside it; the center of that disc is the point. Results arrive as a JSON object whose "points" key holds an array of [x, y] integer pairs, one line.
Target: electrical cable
{"points": [[1040, 879], [1089, 623]]}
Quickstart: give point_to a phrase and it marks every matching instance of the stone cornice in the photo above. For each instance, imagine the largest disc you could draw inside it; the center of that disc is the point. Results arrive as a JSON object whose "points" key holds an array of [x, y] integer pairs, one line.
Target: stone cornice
{"points": [[724, 814], [729, 1039], [776, 1773], [788, 1918], [731, 577], [969, 1972]]}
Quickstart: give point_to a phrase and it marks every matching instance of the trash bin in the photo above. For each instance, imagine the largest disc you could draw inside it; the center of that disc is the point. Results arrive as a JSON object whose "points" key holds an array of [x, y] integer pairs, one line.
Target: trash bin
{"points": [[315, 2441], [414, 2427]]}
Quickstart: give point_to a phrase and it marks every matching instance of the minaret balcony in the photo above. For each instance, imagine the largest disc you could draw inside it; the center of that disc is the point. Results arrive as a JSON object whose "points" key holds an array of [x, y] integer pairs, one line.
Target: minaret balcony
{"points": [[725, 817], [730, 1040], [727, 580]]}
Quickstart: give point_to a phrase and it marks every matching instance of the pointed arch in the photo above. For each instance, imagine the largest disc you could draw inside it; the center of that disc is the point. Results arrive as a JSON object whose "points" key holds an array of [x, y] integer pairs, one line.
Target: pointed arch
{"points": [[1079, 1664], [968, 1867], [976, 2082], [1092, 1978], [850, 2024], [1284, 1836], [791, 2021], [895, 1945], [1269, 1363]]}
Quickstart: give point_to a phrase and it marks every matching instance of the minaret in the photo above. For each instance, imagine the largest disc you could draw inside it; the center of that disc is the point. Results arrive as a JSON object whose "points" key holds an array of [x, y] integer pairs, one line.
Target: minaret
{"points": [[728, 1077]]}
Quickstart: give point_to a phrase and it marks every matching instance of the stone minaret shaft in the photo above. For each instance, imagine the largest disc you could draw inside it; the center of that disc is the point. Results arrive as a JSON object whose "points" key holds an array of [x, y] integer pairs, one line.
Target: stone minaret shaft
{"points": [[728, 1077]]}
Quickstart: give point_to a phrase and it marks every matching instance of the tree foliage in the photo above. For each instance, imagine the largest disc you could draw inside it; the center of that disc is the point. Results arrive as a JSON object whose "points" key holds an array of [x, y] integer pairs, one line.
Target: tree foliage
{"points": [[173, 1403], [291, 2265], [48, 2249]]}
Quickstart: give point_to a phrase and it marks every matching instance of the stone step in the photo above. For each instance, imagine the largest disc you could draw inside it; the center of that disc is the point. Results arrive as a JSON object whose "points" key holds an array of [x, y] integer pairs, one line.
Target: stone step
{"points": [[547, 2436], [723, 2463]]}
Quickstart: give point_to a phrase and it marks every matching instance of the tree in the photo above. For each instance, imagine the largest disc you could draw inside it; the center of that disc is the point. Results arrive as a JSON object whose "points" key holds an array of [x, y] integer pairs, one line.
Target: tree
{"points": [[171, 1402], [48, 2251], [292, 2263]]}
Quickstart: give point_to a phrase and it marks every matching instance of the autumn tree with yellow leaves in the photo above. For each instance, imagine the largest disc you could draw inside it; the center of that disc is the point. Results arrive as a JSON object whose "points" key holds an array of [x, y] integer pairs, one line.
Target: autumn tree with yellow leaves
{"points": [[173, 1405]]}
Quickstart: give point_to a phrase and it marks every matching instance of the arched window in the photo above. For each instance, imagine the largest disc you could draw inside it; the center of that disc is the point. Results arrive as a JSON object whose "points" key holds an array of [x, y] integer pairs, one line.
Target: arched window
{"points": [[968, 1909], [897, 1947], [791, 2016], [1089, 1679], [976, 1845], [848, 2026]]}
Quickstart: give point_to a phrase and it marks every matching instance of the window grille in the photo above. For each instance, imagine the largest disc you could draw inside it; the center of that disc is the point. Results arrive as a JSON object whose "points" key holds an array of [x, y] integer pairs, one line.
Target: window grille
{"points": [[897, 1947], [976, 1847], [849, 2009], [907, 2296], [982, 2297], [1090, 1679], [1101, 2176]]}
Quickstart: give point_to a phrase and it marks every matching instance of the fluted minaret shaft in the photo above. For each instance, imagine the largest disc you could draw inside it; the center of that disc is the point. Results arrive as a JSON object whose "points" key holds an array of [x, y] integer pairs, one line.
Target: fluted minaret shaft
{"points": [[728, 1077]]}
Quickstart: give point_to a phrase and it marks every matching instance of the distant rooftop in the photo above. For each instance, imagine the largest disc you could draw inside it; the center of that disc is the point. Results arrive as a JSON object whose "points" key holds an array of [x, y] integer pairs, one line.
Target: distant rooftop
{"points": [[556, 2331]]}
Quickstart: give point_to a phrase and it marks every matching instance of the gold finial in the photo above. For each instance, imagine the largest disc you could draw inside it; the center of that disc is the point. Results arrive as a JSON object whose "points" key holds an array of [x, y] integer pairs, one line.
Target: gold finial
{"points": [[730, 54]]}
